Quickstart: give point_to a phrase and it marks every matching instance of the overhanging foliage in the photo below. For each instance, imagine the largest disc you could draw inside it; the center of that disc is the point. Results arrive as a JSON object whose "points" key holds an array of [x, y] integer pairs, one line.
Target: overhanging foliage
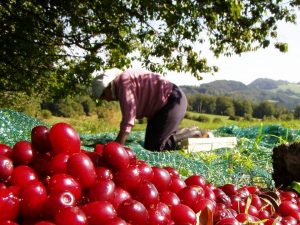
{"points": [[53, 46]]}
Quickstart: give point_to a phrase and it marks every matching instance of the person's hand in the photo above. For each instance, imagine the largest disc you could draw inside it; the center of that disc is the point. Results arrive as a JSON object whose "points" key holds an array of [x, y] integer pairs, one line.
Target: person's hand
{"points": [[122, 137]]}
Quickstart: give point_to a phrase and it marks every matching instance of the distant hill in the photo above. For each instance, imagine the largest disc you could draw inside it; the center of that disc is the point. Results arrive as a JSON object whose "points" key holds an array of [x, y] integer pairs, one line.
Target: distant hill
{"points": [[267, 84], [282, 92]]}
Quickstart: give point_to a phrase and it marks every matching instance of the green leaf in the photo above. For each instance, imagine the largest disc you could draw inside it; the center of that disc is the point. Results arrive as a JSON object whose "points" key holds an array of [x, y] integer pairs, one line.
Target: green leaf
{"points": [[295, 186]]}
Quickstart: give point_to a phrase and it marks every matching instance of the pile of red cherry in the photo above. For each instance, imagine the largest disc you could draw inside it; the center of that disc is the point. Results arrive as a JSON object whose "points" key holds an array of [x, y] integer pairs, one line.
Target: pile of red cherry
{"points": [[52, 180]]}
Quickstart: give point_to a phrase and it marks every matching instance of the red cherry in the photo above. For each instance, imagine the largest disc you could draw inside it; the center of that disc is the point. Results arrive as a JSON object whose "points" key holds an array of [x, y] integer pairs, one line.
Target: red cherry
{"points": [[146, 171], [116, 221], [99, 149], [176, 184], [252, 210], [253, 189], [2, 186], [205, 203], [64, 138], [146, 193], [272, 221], [209, 193], [33, 197], [287, 208], [22, 174], [133, 212], [22, 153], [169, 198], [58, 201], [116, 156], [6, 168], [220, 214], [44, 223], [237, 202], [5, 150], [196, 180], [243, 217], [243, 192], [95, 158], [182, 214], [9, 203], [131, 154], [102, 190], [58, 164], [264, 214], [71, 215], [104, 173], [229, 189], [256, 201], [40, 139], [228, 221], [40, 164], [128, 178], [289, 220], [120, 195], [81, 167], [221, 197], [190, 195], [156, 217], [64, 182], [161, 179], [288, 195], [172, 171], [99, 212]]}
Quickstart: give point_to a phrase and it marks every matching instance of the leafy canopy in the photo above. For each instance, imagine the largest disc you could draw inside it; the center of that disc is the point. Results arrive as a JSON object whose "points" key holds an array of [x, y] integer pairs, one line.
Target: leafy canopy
{"points": [[52, 46]]}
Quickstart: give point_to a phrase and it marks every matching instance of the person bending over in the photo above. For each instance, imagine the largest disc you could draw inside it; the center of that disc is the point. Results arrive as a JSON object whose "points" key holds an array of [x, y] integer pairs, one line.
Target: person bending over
{"points": [[143, 93]]}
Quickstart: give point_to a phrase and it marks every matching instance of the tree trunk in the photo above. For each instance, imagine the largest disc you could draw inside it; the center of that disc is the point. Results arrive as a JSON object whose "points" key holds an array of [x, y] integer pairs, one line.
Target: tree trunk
{"points": [[286, 164]]}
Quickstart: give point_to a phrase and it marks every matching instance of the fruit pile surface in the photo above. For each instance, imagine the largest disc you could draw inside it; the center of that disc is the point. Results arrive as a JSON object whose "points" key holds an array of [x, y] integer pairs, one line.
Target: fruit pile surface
{"points": [[52, 180]]}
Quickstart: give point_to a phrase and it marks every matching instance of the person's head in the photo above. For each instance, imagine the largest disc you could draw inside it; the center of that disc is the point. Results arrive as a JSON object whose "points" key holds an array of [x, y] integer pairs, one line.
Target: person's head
{"points": [[101, 84]]}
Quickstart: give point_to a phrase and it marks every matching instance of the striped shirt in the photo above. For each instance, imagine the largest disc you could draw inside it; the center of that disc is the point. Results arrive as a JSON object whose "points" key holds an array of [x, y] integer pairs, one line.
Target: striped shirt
{"points": [[141, 93]]}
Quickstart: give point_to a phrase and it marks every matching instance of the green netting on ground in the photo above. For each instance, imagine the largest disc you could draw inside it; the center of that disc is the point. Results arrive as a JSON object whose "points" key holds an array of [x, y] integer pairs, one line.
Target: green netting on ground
{"points": [[248, 163]]}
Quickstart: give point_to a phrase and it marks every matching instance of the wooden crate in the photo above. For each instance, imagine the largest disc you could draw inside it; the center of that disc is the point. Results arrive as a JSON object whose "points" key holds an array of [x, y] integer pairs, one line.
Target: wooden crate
{"points": [[208, 144]]}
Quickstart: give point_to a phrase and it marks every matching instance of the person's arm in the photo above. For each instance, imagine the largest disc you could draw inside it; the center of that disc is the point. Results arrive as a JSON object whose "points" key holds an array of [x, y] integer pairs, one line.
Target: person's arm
{"points": [[122, 137], [127, 101]]}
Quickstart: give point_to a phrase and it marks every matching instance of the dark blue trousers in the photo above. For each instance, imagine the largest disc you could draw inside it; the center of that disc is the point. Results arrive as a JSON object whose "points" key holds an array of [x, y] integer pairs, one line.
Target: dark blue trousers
{"points": [[164, 124]]}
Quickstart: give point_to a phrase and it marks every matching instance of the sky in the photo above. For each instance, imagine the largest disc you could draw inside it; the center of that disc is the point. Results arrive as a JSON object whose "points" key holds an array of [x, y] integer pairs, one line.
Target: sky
{"points": [[264, 63]]}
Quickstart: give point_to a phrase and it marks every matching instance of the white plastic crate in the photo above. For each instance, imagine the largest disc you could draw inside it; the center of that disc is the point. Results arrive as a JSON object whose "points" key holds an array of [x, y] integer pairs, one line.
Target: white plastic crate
{"points": [[208, 144]]}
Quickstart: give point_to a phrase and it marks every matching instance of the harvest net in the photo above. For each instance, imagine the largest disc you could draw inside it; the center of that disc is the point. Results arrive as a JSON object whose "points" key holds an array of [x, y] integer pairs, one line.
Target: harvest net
{"points": [[249, 163]]}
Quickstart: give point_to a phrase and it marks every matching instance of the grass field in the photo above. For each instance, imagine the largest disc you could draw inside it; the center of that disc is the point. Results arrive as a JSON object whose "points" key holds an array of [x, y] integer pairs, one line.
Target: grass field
{"points": [[93, 124]]}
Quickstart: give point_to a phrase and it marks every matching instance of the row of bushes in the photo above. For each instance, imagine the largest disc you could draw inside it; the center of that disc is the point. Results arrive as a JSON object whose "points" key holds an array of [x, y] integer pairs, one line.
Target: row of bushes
{"points": [[79, 106], [241, 109], [206, 119], [76, 106], [19, 101], [85, 106], [71, 107], [202, 118]]}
